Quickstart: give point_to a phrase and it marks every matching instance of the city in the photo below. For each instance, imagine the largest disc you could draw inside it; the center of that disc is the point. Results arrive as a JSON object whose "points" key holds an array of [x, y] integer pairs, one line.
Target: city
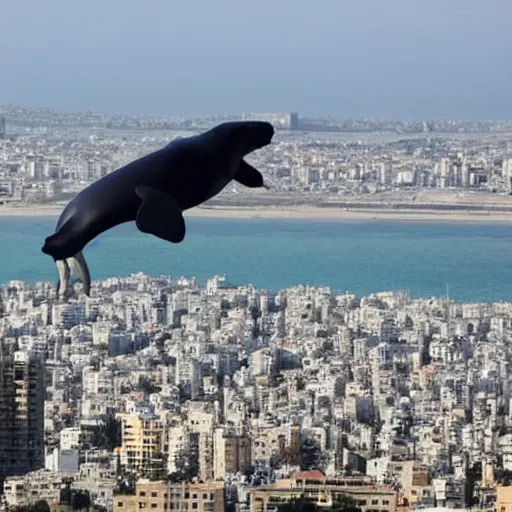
{"points": [[159, 393], [331, 331], [47, 156], [162, 393]]}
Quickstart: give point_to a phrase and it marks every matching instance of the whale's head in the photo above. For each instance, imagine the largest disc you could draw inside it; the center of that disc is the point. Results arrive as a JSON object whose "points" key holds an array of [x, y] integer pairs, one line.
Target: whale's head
{"points": [[245, 136]]}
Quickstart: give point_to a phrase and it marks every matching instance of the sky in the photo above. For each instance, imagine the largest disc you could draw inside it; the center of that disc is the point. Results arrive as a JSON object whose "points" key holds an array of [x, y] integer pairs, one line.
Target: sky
{"points": [[386, 59]]}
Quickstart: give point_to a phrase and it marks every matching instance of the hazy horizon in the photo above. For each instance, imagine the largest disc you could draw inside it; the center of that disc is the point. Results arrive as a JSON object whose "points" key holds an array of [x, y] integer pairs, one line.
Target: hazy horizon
{"points": [[390, 60]]}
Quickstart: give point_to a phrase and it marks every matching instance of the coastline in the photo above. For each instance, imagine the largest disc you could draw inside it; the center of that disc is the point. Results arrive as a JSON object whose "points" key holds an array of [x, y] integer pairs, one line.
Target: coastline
{"points": [[302, 213]]}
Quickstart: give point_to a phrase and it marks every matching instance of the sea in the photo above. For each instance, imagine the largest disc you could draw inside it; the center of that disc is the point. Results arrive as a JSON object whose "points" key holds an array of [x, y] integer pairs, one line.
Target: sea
{"points": [[470, 262]]}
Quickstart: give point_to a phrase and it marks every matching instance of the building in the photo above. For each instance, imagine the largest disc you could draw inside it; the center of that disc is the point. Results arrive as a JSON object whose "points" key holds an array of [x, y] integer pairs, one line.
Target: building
{"points": [[237, 454], [143, 442], [232, 454], [280, 120], [323, 491], [39, 485], [22, 391], [503, 498], [3, 128], [160, 496]]}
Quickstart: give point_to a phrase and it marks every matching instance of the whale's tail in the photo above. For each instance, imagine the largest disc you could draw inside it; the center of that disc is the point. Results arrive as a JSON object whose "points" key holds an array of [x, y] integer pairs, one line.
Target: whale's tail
{"points": [[78, 265], [66, 250], [81, 269], [54, 247]]}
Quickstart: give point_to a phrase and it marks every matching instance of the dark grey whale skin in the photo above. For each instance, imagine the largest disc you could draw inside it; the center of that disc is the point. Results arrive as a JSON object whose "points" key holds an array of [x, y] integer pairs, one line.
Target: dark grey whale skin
{"points": [[155, 189]]}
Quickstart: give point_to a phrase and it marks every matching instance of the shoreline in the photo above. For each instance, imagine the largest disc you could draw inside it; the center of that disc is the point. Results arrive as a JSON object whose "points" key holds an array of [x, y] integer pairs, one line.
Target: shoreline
{"points": [[301, 213]]}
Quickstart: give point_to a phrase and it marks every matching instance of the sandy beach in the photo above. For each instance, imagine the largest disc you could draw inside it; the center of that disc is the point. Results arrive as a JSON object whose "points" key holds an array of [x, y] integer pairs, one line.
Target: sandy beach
{"points": [[300, 213]]}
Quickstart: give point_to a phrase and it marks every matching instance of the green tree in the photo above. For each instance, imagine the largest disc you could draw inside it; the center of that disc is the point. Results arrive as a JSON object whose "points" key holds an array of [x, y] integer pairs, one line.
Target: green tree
{"points": [[187, 464], [276, 461], [40, 506], [80, 500], [301, 504], [112, 432], [345, 503], [311, 456]]}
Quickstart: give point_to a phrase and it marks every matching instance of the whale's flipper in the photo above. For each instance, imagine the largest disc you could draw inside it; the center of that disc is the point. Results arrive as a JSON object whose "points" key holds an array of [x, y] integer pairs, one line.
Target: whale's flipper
{"points": [[159, 215], [249, 176]]}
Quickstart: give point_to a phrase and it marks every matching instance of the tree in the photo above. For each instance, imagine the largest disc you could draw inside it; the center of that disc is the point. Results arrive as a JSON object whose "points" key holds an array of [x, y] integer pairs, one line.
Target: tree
{"points": [[40, 506], [187, 464], [112, 432], [147, 386], [276, 461], [125, 484], [311, 456], [301, 504], [345, 503], [80, 499]]}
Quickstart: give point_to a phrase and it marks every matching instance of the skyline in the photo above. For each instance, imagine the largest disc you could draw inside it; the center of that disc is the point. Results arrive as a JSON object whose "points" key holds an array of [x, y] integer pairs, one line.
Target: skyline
{"points": [[405, 61], [230, 115]]}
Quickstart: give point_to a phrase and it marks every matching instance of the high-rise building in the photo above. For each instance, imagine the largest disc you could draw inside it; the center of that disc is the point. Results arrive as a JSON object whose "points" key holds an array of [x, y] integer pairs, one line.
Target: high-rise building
{"points": [[143, 436], [3, 130], [21, 411]]}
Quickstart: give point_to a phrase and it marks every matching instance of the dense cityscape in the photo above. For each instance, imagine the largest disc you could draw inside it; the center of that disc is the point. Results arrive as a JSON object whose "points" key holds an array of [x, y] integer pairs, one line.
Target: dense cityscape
{"points": [[163, 393], [160, 392], [47, 156]]}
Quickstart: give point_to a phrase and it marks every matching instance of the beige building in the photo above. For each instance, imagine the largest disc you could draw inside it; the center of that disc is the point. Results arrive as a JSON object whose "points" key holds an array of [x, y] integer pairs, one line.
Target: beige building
{"points": [[22, 391], [160, 496], [370, 497], [27, 489], [414, 479], [232, 454], [503, 498], [143, 443], [200, 440]]}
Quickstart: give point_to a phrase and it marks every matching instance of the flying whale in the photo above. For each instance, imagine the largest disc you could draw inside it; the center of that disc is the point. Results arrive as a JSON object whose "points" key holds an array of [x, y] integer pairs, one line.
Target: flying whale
{"points": [[154, 191]]}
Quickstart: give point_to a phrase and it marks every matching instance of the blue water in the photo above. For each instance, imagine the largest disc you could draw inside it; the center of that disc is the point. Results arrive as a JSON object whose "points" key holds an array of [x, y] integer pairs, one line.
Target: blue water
{"points": [[362, 257]]}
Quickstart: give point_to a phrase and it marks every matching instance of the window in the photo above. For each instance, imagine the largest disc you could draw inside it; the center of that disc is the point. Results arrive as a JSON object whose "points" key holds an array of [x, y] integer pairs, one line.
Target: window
{"points": [[194, 505], [142, 493], [154, 505], [120, 504], [385, 502], [375, 502], [154, 494]]}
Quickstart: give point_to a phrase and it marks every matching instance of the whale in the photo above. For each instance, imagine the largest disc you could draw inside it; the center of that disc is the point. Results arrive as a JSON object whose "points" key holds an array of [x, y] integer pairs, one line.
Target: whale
{"points": [[154, 191]]}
